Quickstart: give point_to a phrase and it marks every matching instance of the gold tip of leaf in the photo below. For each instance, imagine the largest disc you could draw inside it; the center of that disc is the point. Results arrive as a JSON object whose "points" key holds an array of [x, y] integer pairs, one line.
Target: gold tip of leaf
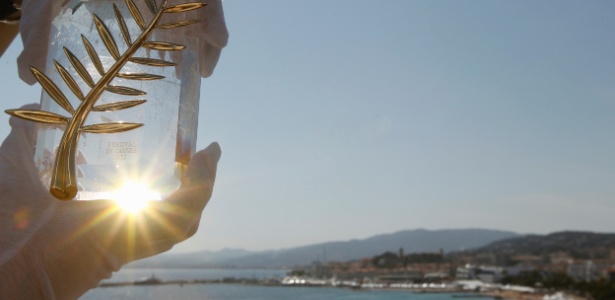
{"points": [[74, 87], [134, 11], [118, 105], [183, 7], [93, 55], [151, 62], [122, 23], [106, 37], [124, 90], [152, 6], [139, 76], [110, 127], [177, 24], [164, 46], [52, 90], [79, 67], [39, 116]]}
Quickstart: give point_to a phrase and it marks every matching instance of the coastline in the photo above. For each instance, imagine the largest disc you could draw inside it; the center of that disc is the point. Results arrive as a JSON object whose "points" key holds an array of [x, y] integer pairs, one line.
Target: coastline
{"points": [[456, 290], [515, 295]]}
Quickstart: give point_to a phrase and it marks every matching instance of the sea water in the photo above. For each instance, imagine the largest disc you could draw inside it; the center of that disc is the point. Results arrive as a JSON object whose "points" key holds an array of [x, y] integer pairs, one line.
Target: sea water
{"points": [[239, 291]]}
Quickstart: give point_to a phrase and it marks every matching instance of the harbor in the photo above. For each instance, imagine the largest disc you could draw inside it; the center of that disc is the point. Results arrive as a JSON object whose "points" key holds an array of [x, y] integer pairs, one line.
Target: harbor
{"points": [[457, 289]]}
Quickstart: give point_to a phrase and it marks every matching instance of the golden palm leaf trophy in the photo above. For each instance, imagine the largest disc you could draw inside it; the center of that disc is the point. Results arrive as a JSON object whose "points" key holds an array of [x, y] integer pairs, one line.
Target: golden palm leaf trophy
{"points": [[120, 100]]}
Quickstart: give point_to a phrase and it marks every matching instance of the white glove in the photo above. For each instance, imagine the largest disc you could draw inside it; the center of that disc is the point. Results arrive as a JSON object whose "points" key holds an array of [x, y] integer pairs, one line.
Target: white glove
{"points": [[52, 249], [37, 16]]}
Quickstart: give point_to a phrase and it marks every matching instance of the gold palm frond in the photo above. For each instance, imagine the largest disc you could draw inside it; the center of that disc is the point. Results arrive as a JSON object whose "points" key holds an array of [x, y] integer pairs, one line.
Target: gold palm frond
{"points": [[64, 177]]}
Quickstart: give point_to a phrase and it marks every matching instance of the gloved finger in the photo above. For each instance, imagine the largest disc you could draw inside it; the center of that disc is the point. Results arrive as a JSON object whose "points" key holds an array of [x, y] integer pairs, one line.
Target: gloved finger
{"points": [[211, 31], [18, 148], [182, 210], [197, 187], [214, 37], [34, 26], [213, 27], [202, 167], [26, 204], [24, 130], [208, 57], [194, 227]]}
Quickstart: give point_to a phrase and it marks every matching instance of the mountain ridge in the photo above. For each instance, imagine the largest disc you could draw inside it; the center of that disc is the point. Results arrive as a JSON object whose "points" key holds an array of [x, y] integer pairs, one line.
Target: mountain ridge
{"points": [[577, 244], [411, 240]]}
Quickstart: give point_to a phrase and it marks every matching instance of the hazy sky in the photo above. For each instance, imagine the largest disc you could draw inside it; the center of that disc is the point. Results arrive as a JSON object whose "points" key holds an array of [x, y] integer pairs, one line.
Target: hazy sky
{"points": [[344, 119]]}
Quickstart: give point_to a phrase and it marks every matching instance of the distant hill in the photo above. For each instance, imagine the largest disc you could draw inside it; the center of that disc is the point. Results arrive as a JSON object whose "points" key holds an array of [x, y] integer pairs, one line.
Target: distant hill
{"points": [[418, 240], [578, 244], [190, 260]]}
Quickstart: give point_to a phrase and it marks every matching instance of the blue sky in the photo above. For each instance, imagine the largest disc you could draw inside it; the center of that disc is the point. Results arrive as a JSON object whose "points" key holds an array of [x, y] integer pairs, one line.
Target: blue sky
{"points": [[345, 119]]}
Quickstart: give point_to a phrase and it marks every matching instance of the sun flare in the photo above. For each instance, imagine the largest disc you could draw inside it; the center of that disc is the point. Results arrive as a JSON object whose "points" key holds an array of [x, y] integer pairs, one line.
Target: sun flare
{"points": [[134, 196]]}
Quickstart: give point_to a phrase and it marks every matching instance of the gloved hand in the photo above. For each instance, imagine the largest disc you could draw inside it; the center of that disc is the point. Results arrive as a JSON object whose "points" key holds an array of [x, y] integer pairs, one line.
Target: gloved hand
{"points": [[211, 30], [37, 16], [52, 249]]}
